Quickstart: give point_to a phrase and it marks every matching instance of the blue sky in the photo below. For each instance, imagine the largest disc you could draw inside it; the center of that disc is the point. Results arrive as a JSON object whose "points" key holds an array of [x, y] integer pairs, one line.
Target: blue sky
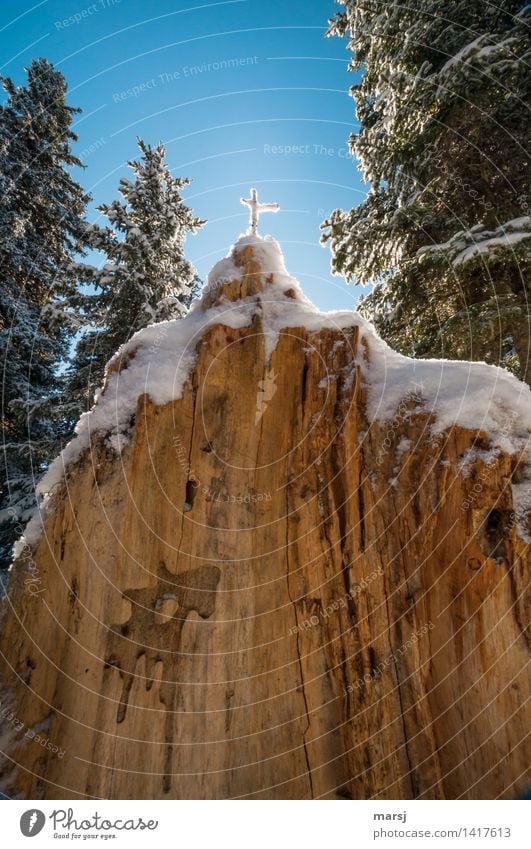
{"points": [[242, 93]]}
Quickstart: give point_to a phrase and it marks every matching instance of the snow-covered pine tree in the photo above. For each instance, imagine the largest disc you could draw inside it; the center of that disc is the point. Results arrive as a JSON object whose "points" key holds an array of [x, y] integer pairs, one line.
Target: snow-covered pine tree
{"points": [[444, 233], [145, 277], [41, 226]]}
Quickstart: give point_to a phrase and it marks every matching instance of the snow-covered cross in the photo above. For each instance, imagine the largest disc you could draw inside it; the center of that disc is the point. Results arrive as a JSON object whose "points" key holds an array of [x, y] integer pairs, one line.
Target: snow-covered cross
{"points": [[256, 208]]}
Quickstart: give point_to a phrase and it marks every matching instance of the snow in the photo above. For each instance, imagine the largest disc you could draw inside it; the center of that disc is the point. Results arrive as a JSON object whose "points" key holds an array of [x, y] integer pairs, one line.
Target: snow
{"points": [[224, 270], [468, 244], [403, 446], [488, 244], [486, 456], [522, 506], [158, 361], [472, 395], [471, 51], [256, 209], [465, 51]]}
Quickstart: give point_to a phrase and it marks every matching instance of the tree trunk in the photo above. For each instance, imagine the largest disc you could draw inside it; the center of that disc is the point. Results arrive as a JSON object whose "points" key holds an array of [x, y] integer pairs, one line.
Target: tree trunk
{"points": [[267, 596]]}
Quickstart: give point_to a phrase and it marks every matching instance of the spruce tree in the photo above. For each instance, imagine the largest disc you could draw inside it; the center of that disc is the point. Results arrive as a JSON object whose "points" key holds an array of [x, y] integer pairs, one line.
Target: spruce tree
{"points": [[41, 227], [444, 234], [145, 277]]}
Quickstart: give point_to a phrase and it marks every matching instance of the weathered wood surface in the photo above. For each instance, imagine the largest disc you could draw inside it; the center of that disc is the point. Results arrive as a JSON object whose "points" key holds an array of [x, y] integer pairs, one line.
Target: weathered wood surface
{"points": [[283, 608]]}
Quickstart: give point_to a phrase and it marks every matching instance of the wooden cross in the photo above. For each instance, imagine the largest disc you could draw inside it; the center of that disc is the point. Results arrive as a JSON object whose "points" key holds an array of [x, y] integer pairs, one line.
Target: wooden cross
{"points": [[257, 208]]}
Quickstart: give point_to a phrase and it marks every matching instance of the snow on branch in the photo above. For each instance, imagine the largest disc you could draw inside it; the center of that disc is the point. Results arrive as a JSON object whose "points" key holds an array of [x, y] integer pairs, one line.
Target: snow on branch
{"points": [[467, 245]]}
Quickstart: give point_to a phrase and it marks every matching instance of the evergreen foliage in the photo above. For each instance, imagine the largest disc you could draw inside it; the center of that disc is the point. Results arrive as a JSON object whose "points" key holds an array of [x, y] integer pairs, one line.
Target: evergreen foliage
{"points": [[444, 234], [145, 277], [41, 228]]}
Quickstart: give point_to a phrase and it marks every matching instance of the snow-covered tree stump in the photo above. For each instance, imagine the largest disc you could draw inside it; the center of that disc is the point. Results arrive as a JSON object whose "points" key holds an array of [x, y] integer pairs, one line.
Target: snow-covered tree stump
{"points": [[325, 600]]}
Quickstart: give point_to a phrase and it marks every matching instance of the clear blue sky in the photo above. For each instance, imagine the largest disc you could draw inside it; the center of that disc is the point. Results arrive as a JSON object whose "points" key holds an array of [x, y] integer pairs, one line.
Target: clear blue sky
{"points": [[242, 93]]}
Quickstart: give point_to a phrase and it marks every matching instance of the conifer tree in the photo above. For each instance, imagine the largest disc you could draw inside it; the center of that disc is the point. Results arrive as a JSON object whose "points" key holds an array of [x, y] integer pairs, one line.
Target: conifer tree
{"points": [[444, 234], [41, 227], [145, 277]]}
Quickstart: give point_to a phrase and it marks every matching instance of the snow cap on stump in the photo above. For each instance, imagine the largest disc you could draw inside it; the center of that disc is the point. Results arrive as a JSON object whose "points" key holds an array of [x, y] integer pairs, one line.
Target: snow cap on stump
{"points": [[253, 265]]}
